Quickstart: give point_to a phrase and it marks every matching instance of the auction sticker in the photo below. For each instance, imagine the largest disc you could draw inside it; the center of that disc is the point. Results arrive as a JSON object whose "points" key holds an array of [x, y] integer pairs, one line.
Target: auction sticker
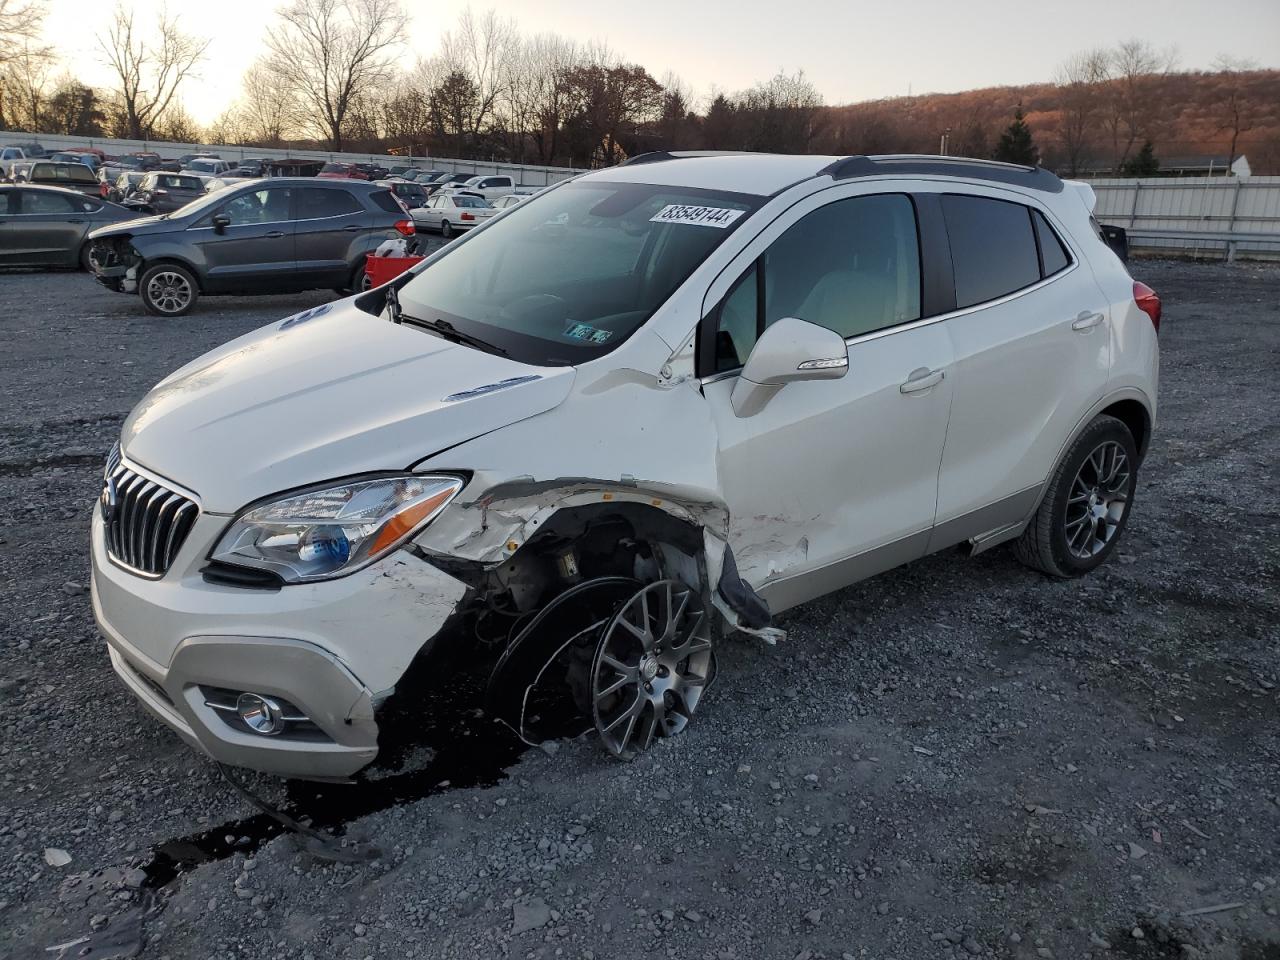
{"points": [[701, 216]]}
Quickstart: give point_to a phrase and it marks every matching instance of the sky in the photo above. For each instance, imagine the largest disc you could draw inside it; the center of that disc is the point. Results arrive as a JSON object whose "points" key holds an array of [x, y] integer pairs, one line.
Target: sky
{"points": [[850, 49]]}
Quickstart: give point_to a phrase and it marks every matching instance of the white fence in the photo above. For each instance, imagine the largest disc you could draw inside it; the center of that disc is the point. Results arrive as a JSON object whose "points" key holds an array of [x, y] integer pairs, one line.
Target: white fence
{"points": [[1200, 216], [527, 175]]}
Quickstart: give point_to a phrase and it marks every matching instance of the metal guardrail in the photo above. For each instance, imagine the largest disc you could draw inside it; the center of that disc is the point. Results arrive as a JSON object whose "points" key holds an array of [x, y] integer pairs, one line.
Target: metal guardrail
{"points": [[1231, 239]]}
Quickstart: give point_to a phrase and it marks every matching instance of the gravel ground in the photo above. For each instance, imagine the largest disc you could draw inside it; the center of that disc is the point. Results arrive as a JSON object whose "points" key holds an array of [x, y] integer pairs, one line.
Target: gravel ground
{"points": [[959, 758]]}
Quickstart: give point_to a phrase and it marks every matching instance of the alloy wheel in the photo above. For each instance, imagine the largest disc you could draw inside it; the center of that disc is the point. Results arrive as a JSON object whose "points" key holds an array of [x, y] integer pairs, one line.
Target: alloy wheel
{"points": [[651, 667], [169, 292], [1098, 500]]}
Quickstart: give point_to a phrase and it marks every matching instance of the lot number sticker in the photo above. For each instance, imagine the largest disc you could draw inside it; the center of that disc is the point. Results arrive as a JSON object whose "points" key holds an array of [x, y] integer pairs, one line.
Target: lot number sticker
{"points": [[700, 216]]}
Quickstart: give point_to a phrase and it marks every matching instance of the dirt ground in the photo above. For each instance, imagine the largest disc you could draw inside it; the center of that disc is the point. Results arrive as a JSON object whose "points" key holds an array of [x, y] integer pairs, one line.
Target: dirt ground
{"points": [[957, 759]]}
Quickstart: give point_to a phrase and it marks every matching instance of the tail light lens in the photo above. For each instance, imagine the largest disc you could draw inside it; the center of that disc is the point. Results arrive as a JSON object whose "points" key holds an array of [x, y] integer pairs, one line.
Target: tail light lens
{"points": [[467, 216], [404, 227], [1147, 302]]}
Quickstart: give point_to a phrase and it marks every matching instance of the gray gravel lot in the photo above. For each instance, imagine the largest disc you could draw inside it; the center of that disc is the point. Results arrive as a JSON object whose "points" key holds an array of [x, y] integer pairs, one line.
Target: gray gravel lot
{"points": [[959, 758]]}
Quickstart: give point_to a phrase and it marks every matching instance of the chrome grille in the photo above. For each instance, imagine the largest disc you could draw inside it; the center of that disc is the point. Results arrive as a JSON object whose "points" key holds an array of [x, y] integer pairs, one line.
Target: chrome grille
{"points": [[145, 521]]}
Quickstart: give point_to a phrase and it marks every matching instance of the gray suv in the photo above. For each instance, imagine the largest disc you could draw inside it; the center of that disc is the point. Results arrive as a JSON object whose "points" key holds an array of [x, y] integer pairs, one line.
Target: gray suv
{"points": [[266, 236]]}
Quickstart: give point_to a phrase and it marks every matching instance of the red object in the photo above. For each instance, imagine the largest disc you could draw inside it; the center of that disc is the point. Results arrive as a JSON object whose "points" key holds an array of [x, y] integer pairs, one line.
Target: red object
{"points": [[382, 269], [467, 216], [1147, 302], [404, 227]]}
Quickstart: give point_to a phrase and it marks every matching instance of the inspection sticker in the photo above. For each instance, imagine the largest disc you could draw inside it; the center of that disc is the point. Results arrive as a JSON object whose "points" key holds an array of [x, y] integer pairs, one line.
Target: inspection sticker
{"points": [[702, 216]]}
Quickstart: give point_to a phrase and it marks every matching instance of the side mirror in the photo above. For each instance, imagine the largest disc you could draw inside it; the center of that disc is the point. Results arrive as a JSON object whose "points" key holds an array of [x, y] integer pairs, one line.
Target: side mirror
{"points": [[790, 349], [220, 222]]}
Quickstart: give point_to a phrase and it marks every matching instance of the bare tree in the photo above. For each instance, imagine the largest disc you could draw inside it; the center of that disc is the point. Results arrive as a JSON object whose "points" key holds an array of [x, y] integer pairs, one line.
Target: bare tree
{"points": [[333, 53], [1236, 105], [1134, 111], [20, 24], [149, 69], [482, 50], [541, 95], [1080, 92], [26, 78]]}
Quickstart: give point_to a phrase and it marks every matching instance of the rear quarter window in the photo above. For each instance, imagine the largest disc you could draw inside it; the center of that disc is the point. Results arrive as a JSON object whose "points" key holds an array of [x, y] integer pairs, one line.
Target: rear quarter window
{"points": [[384, 200], [993, 247]]}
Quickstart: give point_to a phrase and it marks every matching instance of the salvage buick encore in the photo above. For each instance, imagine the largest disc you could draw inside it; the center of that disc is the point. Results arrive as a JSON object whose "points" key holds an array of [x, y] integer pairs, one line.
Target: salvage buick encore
{"points": [[571, 451]]}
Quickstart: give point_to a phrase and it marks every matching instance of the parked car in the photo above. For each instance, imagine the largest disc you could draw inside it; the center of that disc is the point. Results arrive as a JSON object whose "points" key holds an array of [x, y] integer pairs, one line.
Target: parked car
{"points": [[90, 160], [207, 167], [646, 407], [341, 171], [29, 151], [277, 236], [148, 161], [371, 171], [75, 176], [123, 187], [410, 194], [48, 226], [451, 213], [186, 158], [510, 200], [9, 158], [488, 187], [425, 177], [166, 192], [228, 179]]}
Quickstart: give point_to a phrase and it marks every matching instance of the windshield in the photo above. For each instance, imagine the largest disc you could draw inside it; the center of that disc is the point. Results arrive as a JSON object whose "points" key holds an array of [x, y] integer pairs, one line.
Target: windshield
{"points": [[566, 276]]}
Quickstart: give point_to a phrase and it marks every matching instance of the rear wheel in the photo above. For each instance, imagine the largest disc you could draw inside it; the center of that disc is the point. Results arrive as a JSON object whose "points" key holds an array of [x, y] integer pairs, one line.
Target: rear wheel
{"points": [[168, 290], [86, 263], [1087, 505], [446, 229]]}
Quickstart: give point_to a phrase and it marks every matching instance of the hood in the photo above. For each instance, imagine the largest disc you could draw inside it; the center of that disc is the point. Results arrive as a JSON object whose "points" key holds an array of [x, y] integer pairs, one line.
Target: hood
{"points": [[138, 225], [325, 394]]}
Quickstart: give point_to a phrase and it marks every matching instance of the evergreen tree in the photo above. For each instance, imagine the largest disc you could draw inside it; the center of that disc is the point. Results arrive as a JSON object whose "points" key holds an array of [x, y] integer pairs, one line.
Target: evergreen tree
{"points": [[1143, 163], [1016, 145]]}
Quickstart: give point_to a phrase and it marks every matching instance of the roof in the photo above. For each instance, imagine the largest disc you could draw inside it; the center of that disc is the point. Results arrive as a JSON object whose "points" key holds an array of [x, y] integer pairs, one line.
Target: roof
{"points": [[764, 174]]}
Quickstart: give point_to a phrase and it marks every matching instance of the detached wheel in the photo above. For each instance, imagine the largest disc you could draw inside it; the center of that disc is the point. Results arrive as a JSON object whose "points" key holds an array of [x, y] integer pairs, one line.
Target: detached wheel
{"points": [[1087, 505], [446, 229], [651, 668], [168, 290]]}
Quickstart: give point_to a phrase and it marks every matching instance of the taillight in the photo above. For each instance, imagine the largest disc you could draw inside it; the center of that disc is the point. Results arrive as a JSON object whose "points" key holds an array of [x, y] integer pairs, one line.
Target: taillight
{"points": [[1147, 302], [467, 216], [404, 227]]}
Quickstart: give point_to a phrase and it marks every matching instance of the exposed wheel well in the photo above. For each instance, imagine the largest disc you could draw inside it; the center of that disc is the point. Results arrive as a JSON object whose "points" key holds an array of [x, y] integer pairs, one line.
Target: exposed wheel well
{"points": [[1134, 416]]}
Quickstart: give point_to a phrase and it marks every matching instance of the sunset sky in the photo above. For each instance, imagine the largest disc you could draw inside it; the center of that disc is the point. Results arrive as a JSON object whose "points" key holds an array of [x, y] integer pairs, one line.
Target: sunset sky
{"points": [[850, 50]]}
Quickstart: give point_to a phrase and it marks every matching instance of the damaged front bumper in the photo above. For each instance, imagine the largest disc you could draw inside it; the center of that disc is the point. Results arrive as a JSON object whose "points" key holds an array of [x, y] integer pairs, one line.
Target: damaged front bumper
{"points": [[115, 263], [329, 653]]}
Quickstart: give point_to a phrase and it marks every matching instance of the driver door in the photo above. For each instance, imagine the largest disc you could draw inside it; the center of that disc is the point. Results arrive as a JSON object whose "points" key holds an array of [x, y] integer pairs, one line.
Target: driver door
{"points": [[833, 480], [255, 251]]}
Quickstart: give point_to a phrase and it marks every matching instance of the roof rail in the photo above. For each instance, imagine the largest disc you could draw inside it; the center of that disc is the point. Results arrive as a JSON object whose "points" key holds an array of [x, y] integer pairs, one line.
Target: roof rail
{"points": [[653, 156], [1035, 178]]}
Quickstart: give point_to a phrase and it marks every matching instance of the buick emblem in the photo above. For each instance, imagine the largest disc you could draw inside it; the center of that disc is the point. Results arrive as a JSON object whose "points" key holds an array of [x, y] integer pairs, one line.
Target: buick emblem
{"points": [[108, 499]]}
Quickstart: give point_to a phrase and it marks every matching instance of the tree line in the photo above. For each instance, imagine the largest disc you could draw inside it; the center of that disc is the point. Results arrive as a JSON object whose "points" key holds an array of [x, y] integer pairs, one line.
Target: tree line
{"points": [[333, 76]]}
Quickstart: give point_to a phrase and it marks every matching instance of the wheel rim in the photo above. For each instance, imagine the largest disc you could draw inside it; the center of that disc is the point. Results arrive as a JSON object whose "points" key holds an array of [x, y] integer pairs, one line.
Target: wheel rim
{"points": [[169, 292], [651, 667], [1098, 500]]}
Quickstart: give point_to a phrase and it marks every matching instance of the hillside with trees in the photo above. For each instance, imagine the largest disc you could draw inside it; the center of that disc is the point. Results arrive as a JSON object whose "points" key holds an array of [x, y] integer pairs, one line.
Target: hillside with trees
{"points": [[334, 77]]}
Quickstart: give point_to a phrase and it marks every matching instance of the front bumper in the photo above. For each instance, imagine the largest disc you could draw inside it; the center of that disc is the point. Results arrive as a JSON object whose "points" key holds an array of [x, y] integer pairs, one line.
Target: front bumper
{"points": [[334, 650]]}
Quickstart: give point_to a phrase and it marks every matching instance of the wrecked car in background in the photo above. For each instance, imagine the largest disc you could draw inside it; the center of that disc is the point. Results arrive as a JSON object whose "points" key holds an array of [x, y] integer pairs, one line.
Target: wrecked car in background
{"points": [[571, 451]]}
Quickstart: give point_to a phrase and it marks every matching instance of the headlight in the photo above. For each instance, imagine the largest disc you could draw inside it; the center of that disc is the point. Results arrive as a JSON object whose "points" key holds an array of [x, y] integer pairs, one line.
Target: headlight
{"points": [[333, 531]]}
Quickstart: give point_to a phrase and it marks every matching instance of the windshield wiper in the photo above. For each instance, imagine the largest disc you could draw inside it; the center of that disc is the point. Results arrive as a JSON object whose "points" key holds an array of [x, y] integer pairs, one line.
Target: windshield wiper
{"points": [[394, 313], [446, 330]]}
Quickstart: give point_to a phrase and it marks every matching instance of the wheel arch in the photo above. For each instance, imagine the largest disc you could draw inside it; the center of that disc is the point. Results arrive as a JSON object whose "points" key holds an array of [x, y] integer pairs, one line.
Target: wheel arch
{"points": [[160, 261]]}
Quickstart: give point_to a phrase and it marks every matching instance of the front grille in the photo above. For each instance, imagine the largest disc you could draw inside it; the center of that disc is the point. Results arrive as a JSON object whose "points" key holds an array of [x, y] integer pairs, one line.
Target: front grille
{"points": [[146, 522]]}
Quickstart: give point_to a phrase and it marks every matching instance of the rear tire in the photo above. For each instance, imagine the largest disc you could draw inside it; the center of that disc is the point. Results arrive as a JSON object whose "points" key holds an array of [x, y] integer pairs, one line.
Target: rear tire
{"points": [[85, 263], [446, 229], [1087, 504], [168, 290]]}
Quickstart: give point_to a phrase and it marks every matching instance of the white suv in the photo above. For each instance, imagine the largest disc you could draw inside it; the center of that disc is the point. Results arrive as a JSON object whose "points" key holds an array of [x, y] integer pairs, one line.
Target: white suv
{"points": [[571, 450]]}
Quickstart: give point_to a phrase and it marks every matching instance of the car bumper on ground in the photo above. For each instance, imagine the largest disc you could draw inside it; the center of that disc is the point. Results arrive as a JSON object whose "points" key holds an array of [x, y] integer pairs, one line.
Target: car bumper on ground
{"points": [[187, 649]]}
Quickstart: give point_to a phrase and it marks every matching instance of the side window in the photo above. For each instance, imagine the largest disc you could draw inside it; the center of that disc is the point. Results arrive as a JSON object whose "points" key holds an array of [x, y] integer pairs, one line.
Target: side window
{"points": [[49, 204], [852, 266], [993, 249], [315, 203], [385, 200], [737, 321], [259, 206], [1053, 255]]}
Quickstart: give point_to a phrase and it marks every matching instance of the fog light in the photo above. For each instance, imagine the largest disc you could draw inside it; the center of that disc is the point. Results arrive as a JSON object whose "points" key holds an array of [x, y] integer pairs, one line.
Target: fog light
{"points": [[261, 714]]}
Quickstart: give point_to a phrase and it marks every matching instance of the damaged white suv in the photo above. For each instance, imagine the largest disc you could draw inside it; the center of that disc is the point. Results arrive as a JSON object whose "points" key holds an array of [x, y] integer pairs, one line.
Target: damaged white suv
{"points": [[569, 452]]}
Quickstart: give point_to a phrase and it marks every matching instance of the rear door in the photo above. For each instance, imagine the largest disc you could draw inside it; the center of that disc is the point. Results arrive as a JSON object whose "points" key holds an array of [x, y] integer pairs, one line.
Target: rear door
{"points": [[256, 250], [47, 228], [330, 226], [1031, 345]]}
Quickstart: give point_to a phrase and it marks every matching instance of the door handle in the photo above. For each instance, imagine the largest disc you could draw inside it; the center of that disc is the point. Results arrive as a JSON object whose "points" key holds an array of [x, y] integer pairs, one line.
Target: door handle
{"points": [[75, 221], [1087, 320], [273, 234], [922, 378], [352, 229]]}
